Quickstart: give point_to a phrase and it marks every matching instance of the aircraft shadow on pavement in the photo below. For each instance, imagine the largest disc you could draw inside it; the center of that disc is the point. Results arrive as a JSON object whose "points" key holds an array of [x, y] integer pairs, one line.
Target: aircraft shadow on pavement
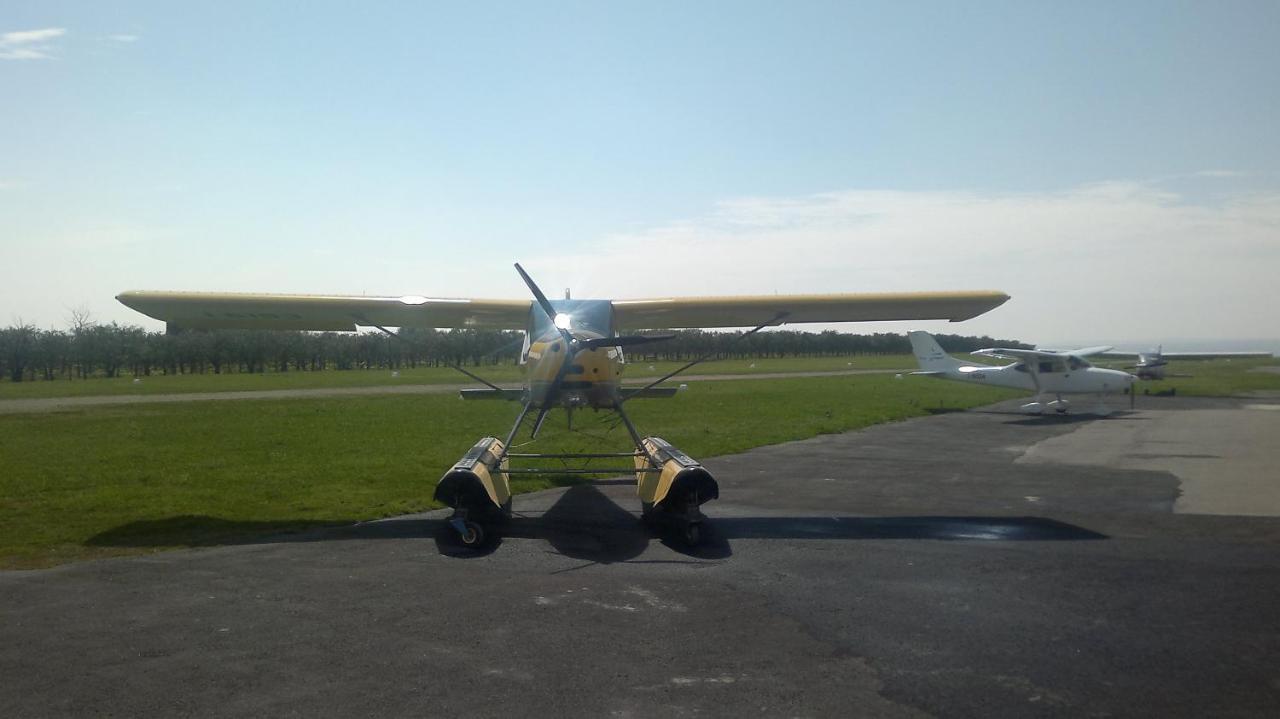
{"points": [[1038, 420], [922, 527], [585, 524]]}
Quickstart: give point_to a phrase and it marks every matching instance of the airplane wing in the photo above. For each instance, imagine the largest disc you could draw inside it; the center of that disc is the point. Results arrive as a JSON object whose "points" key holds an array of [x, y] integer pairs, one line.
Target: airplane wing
{"points": [[1087, 351], [750, 311], [1193, 355], [1017, 354], [1029, 358], [206, 310], [201, 310], [1082, 352]]}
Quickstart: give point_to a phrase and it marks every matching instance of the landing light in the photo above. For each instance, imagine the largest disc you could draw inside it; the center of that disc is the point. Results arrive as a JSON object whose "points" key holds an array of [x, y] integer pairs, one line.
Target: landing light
{"points": [[564, 321]]}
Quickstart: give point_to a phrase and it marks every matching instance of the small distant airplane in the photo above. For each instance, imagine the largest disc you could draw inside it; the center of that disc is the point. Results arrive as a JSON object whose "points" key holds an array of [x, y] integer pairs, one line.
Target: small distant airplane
{"points": [[1153, 364], [573, 354], [1043, 371]]}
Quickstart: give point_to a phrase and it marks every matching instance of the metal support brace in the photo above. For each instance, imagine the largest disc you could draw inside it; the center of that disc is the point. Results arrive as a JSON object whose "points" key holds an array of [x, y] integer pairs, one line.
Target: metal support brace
{"points": [[524, 412], [473, 376], [776, 320]]}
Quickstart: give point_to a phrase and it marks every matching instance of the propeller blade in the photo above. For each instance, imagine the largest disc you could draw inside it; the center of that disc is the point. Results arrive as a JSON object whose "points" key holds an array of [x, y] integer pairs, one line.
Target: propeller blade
{"points": [[570, 340], [544, 303], [571, 349], [626, 340]]}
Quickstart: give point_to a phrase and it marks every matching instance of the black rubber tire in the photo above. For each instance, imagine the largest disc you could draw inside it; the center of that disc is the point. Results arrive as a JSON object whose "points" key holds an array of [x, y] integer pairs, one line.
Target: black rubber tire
{"points": [[691, 534], [473, 536]]}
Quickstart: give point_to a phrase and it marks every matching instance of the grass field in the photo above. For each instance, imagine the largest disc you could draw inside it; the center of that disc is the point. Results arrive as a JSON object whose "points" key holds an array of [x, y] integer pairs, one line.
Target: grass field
{"points": [[1213, 378], [118, 480], [505, 373], [1208, 377], [128, 479]]}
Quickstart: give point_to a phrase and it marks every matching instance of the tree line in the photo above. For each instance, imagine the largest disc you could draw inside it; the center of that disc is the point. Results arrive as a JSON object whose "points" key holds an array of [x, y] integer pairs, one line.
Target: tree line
{"points": [[111, 350]]}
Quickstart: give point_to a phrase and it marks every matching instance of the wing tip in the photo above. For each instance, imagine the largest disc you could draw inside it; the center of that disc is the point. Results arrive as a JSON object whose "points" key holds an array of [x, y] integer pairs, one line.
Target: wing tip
{"points": [[993, 299]]}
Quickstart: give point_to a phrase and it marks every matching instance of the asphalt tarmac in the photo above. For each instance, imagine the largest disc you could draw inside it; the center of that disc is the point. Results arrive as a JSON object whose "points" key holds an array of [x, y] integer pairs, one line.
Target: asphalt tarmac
{"points": [[964, 564]]}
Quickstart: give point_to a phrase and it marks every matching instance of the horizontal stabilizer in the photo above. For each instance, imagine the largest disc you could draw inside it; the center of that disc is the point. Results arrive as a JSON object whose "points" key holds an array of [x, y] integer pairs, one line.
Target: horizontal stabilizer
{"points": [[631, 393], [514, 395]]}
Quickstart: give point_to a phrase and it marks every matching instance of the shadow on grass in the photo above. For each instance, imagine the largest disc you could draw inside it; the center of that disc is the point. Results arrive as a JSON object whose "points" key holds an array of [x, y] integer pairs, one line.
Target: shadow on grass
{"points": [[192, 530]]}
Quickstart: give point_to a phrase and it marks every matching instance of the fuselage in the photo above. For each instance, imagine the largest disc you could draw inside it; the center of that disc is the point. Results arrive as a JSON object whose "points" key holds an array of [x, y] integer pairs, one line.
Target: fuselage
{"points": [[593, 376], [1150, 366], [1061, 375]]}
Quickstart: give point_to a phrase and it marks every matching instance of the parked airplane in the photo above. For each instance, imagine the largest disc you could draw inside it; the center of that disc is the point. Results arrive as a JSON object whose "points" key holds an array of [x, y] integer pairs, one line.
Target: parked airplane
{"points": [[574, 359], [1152, 365], [1052, 372]]}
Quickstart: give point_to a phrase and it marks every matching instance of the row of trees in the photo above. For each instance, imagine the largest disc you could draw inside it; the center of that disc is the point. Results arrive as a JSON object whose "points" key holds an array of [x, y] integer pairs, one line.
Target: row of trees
{"points": [[93, 350]]}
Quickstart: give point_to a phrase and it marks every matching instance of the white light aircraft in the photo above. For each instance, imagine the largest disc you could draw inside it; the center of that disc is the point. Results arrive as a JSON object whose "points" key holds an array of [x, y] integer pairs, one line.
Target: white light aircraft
{"points": [[1052, 372], [1151, 365]]}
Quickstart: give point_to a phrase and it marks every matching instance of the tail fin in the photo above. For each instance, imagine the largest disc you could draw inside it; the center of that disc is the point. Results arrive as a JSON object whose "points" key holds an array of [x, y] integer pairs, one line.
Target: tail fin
{"points": [[929, 354]]}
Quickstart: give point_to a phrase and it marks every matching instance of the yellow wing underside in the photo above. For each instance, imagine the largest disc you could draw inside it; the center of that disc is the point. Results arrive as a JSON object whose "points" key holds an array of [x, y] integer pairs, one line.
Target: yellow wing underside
{"points": [[201, 310], [209, 310], [749, 311]]}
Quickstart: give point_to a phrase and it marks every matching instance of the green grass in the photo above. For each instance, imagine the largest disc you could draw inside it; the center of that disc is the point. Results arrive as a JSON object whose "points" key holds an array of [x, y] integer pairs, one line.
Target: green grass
{"points": [[235, 382], [505, 373], [122, 480], [1213, 378]]}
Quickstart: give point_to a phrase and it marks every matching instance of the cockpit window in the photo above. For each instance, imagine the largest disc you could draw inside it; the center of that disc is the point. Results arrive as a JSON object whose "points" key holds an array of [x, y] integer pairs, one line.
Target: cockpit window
{"points": [[593, 317], [1077, 363], [1046, 366]]}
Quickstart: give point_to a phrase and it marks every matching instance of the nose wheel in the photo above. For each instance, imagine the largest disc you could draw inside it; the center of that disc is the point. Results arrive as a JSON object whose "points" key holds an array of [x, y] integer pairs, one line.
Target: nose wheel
{"points": [[691, 534], [684, 525], [470, 533]]}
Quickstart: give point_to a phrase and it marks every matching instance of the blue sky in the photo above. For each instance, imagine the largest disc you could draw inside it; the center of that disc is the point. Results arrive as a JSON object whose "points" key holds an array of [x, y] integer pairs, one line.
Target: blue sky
{"points": [[416, 147]]}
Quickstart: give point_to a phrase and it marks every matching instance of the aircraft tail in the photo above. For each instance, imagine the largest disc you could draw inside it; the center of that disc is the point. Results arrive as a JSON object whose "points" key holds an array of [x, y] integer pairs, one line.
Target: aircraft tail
{"points": [[930, 355]]}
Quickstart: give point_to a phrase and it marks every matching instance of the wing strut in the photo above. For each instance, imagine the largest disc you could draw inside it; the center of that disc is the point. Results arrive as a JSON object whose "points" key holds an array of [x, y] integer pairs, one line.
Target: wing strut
{"points": [[777, 319], [460, 368], [1033, 369]]}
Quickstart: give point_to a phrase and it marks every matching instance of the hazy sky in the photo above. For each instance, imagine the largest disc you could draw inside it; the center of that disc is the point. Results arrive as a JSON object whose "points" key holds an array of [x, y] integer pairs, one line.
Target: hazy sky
{"points": [[1113, 166]]}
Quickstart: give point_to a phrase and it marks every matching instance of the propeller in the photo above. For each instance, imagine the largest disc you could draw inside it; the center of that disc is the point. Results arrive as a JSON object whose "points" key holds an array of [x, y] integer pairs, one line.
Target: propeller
{"points": [[574, 345], [545, 304]]}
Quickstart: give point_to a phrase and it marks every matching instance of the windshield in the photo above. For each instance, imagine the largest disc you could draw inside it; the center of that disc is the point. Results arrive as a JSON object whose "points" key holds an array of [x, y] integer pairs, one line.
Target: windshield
{"points": [[591, 316], [1078, 363]]}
